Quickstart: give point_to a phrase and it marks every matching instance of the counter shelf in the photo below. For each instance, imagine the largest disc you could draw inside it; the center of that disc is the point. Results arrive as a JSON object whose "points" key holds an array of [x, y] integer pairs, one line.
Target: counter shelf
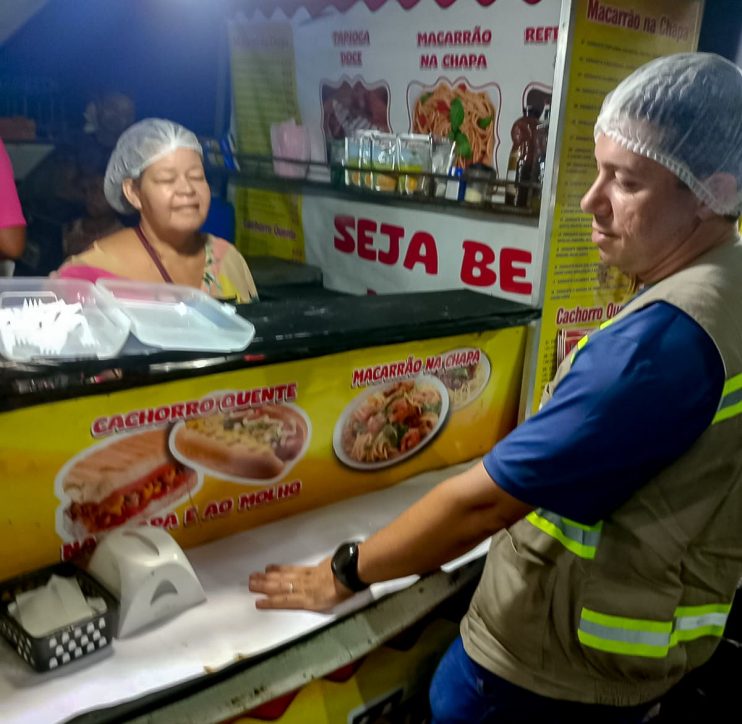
{"points": [[244, 685], [284, 330], [256, 171], [217, 660]]}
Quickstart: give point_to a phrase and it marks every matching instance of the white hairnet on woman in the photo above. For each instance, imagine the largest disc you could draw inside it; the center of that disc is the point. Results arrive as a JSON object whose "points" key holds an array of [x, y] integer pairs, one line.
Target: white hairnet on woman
{"points": [[685, 112], [138, 147], [157, 170]]}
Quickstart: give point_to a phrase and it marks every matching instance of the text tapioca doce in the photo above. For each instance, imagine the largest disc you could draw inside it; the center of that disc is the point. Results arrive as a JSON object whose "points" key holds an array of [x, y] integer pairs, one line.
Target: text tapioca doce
{"points": [[392, 245]]}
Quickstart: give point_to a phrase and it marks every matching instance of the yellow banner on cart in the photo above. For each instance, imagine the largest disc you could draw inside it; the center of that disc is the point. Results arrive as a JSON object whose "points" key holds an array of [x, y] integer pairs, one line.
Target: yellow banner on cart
{"points": [[610, 40], [213, 455]]}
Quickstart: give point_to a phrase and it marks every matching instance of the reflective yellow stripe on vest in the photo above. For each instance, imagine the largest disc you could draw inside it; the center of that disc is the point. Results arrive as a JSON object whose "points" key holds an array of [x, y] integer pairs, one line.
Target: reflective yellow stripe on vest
{"points": [[582, 540], [652, 639], [731, 400], [584, 340], [692, 622]]}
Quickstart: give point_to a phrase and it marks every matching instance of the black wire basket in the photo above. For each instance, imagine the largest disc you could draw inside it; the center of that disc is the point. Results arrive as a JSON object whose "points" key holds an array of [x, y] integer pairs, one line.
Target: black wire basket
{"points": [[67, 643]]}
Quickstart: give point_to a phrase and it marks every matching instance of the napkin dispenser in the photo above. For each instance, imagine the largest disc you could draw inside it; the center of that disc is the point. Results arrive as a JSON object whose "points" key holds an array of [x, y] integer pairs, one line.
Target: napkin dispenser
{"points": [[149, 574]]}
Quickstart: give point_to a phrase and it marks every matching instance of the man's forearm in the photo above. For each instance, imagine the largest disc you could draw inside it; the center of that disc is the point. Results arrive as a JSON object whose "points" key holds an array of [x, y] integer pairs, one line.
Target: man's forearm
{"points": [[446, 523]]}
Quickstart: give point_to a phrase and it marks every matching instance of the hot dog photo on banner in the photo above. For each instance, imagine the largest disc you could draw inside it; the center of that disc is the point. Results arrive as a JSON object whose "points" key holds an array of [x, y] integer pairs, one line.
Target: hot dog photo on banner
{"points": [[254, 445], [132, 478], [126, 479]]}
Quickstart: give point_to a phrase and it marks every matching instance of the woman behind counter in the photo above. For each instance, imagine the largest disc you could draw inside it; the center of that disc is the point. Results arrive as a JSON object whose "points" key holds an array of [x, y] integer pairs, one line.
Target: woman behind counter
{"points": [[156, 169]]}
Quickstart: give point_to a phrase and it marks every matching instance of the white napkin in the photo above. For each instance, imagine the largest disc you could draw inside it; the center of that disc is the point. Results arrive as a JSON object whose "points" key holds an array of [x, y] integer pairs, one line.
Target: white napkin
{"points": [[59, 603]]}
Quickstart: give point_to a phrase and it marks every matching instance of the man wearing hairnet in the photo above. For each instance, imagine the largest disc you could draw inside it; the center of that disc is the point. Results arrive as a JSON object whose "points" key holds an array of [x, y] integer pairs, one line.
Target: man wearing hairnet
{"points": [[617, 509]]}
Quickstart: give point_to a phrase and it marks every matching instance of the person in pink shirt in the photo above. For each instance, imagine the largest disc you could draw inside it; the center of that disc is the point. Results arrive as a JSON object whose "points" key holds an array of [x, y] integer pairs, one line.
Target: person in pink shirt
{"points": [[12, 222]]}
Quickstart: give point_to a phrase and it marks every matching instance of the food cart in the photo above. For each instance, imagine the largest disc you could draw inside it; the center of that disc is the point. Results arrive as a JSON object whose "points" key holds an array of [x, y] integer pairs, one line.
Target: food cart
{"points": [[502, 292]]}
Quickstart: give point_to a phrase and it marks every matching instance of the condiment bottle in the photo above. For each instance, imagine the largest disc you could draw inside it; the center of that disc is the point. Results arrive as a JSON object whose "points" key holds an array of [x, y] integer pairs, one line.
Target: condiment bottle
{"points": [[522, 158], [542, 136]]}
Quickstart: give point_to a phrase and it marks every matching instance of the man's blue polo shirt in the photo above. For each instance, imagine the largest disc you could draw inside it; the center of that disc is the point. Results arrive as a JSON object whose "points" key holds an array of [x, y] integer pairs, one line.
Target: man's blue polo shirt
{"points": [[639, 393]]}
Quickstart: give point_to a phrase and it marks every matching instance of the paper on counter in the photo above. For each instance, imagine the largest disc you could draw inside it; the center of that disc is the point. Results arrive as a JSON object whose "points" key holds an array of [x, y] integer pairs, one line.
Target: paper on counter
{"points": [[59, 603]]}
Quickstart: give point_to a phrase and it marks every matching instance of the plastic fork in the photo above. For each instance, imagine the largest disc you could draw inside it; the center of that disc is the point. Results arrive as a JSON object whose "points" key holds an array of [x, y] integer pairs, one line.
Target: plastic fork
{"points": [[86, 336], [8, 337]]}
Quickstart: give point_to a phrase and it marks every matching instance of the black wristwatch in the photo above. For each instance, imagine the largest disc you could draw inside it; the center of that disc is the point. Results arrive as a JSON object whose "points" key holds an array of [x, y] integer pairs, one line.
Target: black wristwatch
{"points": [[345, 566]]}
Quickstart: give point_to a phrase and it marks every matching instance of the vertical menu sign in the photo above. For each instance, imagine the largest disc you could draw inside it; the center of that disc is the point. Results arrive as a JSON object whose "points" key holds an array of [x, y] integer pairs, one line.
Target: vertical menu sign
{"points": [[264, 92], [610, 40]]}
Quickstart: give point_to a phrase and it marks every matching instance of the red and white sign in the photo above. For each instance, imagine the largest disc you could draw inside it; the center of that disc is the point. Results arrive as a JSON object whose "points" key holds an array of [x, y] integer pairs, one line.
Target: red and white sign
{"points": [[381, 250]]}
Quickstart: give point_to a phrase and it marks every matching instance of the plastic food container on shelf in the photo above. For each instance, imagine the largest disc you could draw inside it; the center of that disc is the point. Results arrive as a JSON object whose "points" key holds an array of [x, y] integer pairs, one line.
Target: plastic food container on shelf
{"points": [[42, 318], [170, 316]]}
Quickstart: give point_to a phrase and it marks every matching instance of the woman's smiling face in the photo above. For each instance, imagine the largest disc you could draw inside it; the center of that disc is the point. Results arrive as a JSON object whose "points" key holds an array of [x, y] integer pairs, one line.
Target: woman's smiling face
{"points": [[172, 194]]}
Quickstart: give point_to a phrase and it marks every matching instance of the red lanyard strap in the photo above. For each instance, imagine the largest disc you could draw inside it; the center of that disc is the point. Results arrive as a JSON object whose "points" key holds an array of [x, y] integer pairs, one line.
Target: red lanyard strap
{"points": [[153, 255]]}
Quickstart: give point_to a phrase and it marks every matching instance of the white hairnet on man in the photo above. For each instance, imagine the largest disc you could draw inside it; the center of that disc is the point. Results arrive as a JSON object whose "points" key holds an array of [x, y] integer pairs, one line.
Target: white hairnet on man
{"points": [[139, 147], [683, 111]]}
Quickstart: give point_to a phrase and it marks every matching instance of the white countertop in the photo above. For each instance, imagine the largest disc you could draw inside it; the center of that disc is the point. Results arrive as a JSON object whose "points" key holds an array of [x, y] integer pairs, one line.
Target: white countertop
{"points": [[225, 628]]}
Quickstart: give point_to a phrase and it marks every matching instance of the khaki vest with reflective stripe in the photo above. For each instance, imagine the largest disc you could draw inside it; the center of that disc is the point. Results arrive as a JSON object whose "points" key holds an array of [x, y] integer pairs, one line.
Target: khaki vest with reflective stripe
{"points": [[618, 612]]}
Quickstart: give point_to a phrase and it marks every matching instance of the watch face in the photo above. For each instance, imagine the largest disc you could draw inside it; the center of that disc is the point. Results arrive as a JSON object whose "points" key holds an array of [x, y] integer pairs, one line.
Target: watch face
{"points": [[344, 558], [344, 566]]}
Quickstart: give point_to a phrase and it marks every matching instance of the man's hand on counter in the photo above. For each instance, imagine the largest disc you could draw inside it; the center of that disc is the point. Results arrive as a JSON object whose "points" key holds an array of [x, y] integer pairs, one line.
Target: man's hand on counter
{"points": [[312, 588], [450, 520]]}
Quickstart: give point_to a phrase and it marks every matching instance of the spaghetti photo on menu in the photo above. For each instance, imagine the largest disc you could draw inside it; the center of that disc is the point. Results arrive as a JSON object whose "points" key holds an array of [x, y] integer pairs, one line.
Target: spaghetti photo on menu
{"points": [[465, 374], [386, 424], [465, 114]]}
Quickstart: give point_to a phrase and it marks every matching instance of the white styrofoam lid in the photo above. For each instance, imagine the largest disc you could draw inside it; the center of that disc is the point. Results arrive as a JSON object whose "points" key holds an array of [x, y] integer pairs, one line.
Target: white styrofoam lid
{"points": [[171, 316]]}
